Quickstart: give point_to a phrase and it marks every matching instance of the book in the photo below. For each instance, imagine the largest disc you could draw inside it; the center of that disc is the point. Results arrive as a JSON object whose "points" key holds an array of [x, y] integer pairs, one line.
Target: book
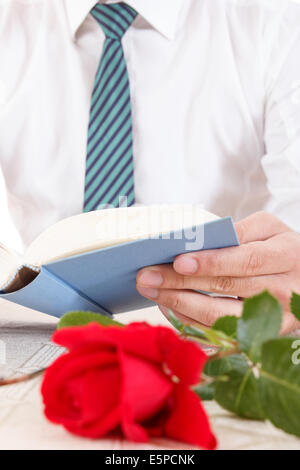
{"points": [[90, 261]]}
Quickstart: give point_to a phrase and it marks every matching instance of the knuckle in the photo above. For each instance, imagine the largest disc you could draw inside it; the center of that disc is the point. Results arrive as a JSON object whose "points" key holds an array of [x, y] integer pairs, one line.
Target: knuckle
{"points": [[208, 318], [181, 282], [254, 262], [175, 302], [222, 284]]}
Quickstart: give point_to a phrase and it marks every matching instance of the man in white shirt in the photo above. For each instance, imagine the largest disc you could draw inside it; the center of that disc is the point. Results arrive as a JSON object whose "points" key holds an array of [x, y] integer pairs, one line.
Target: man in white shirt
{"points": [[215, 102]]}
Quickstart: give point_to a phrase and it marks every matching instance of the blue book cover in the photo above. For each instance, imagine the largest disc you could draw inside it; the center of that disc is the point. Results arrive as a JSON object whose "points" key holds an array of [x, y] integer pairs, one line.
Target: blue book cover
{"points": [[104, 280]]}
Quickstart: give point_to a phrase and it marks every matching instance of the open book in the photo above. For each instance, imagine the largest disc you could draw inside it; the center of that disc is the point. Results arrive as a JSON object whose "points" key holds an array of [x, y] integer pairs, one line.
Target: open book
{"points": [[90, 261]]}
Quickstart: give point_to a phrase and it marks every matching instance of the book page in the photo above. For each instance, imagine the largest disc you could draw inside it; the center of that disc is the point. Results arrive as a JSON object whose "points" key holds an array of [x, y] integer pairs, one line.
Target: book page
{"points": [[9, 263], [99, 229]]}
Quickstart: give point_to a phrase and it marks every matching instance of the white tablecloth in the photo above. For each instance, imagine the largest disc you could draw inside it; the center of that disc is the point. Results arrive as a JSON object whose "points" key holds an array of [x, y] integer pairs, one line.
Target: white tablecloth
{"points": [[26, 335]]}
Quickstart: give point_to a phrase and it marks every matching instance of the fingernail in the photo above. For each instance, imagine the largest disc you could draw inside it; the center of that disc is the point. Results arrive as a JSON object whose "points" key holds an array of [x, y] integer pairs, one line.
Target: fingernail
{"points": [[150, 278], [148, 292], [186, 265]]}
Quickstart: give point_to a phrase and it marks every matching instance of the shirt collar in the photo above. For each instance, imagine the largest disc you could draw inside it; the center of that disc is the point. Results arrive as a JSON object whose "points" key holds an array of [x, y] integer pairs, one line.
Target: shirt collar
{"points": [[161, 14]]}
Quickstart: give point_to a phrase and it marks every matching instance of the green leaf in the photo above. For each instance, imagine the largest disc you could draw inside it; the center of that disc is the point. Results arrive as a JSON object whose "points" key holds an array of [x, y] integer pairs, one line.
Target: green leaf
{"points": [[192, 331], [205, 392], [185, 329], [217, 367], [83, 318], [175, 322], [238, 392], [201, 332], [227, 325], [260, 321], [279, 384], [295, 305]]}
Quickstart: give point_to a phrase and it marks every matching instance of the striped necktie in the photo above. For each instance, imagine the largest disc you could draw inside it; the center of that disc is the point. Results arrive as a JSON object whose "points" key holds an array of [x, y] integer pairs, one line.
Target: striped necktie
{"points": [[109, 164]]}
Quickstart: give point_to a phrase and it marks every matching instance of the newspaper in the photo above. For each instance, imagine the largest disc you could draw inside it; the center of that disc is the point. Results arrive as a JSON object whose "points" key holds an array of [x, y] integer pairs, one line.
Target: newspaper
{"points": [[25, 347]]}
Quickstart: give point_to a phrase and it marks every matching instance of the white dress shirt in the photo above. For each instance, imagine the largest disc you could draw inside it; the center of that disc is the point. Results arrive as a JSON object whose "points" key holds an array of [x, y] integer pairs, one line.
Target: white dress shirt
{"points": [[215, 93]]}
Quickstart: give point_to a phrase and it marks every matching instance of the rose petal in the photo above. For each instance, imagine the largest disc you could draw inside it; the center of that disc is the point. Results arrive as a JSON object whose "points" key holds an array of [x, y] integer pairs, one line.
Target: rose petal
{"points": [[100, 393], [107, 424], [188, 421], [137, 338], [99, 397], [145, 390], [133, 431], [92, 335], [184, 358], [145, 387], [61, 374], [141, 340]]}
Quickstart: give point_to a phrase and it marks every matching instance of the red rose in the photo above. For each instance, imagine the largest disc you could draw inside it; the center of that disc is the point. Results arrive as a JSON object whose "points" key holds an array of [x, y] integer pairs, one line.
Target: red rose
{"points": [[135, 379]]}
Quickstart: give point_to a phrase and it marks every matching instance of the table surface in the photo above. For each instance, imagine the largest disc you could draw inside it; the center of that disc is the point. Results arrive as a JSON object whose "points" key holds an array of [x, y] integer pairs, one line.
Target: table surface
{"points": [[27, 333]]}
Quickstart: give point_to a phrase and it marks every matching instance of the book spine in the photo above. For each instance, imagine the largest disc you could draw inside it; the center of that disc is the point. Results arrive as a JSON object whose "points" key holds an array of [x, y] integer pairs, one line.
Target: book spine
{"points": [[49, 294]]}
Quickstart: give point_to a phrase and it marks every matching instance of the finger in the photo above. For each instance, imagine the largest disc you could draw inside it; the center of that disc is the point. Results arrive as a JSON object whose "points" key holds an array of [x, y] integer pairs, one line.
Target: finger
{"points": [[200, 307], [235, 286], [252, 259], [259, 227], [182, 318], [162, 276], [289, 324]]}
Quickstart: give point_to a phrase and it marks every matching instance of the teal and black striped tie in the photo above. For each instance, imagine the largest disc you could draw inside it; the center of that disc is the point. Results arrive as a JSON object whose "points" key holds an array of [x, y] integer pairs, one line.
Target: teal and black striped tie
{"points": [[109, 165]]}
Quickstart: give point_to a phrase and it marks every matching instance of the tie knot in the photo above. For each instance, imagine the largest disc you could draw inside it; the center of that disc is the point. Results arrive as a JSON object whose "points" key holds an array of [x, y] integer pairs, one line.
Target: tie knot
{"points": [[114, 18]]}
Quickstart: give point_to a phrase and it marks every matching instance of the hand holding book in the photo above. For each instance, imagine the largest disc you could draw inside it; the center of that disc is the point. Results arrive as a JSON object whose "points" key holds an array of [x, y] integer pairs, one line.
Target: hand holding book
{"points": [[267, 258]]}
